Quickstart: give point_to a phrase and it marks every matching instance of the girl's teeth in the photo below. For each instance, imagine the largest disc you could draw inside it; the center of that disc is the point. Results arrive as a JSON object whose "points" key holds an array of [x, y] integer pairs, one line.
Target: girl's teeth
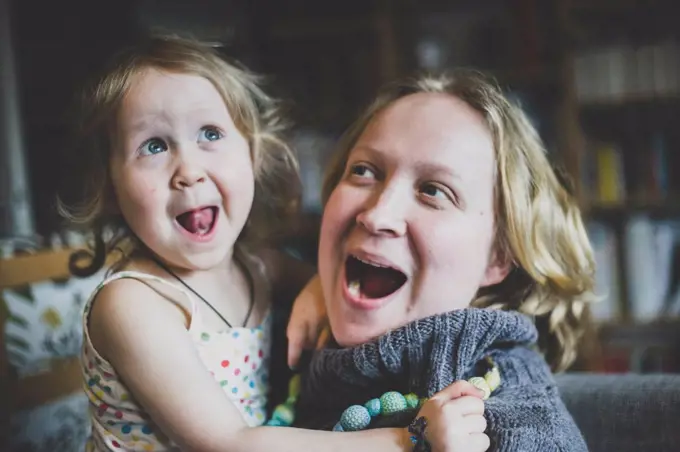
{"points": [[354, 288]]}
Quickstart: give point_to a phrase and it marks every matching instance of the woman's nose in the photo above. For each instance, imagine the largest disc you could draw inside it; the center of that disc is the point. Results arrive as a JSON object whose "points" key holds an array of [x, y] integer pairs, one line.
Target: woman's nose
{"points": [[385, 214]]}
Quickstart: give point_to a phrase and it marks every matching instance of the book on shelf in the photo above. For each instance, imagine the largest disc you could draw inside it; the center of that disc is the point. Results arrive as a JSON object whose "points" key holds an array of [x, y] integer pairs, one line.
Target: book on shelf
{"points": [[607, 283], [615, 73], [605, 182], [649, 247], [635, 170]]}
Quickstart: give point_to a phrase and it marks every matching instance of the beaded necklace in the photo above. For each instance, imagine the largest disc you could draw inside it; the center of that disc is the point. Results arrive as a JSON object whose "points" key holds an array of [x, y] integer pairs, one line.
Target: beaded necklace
{"points": [[358, 417]]}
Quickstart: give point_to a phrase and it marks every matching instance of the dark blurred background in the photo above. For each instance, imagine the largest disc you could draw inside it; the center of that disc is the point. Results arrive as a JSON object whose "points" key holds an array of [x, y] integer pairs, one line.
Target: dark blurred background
{"points": [[599, 78]]}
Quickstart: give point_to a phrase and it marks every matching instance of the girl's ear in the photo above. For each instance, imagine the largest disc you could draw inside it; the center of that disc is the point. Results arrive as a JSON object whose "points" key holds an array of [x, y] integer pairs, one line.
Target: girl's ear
{"points": [[497, 269]]}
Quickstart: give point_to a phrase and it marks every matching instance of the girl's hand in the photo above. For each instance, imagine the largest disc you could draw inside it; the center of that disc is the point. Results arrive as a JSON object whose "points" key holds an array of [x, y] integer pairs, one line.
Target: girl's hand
{"points": [[455, 419], [308, 324]]}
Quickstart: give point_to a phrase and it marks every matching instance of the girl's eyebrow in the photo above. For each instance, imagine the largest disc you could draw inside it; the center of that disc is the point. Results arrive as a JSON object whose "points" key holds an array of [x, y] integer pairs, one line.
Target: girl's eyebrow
{"points": [[149, 119], [145, 122]]}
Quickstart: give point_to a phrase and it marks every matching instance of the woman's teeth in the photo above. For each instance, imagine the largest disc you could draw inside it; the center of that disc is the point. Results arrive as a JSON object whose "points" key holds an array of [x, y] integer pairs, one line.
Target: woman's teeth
{"points": [[354, 288]]}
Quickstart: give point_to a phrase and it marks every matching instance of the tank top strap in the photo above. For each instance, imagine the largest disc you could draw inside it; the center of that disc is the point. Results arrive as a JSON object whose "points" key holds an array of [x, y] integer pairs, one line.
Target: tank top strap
{"points": [[141, 277]]}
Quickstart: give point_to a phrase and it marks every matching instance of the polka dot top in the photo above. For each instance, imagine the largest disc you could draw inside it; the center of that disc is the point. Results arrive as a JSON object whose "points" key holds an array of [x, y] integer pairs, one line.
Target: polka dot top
{"points": [[237, 358]]}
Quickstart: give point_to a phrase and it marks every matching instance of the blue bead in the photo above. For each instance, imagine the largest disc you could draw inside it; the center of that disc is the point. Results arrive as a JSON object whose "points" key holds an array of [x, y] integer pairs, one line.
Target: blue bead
{"points": [[126, 429], [355, 418], [284, 414], [373, 407], [274, 423], [338, 428]]}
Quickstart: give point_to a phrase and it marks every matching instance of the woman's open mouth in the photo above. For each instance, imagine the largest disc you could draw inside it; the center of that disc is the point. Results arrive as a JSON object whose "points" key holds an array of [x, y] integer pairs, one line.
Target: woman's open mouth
{"points": [[368, 282]]}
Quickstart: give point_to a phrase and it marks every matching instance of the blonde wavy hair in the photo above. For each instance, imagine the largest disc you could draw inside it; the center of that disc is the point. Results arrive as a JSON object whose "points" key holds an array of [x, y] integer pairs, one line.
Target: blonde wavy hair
{"points": [[539, 228], [255, 114]]}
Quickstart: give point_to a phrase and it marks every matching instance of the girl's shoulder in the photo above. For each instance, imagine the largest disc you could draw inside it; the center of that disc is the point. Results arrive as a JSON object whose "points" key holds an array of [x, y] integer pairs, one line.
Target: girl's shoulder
{"points": [[128, 286], [127, 300]]}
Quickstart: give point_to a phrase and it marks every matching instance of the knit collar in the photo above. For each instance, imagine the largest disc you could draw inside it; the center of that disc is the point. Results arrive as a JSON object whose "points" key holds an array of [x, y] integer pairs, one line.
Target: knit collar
{"points": [[422, 357]]}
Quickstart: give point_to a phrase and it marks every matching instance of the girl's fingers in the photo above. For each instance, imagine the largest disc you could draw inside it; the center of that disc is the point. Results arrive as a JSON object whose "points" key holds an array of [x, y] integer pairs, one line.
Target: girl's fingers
{"points": [[458, 389], [464, 406], [479, 442], [473, 423]]}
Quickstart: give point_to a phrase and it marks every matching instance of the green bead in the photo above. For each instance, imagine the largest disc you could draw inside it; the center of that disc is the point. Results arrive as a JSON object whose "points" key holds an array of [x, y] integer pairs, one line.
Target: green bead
{"points": [[284, 414], [373, 407], [355, 418], [392, 402], [274, 423], [412, 400], [482, 385], [294, 386]]}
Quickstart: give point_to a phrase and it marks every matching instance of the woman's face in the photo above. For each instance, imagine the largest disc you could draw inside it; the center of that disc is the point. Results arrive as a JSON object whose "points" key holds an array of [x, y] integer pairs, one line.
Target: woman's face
{"points": [[408, 231]]}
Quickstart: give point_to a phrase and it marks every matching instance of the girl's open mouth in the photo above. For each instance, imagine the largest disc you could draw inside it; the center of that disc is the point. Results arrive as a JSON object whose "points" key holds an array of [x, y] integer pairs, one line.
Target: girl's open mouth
{"points": [[370, 281], [198, 222]]}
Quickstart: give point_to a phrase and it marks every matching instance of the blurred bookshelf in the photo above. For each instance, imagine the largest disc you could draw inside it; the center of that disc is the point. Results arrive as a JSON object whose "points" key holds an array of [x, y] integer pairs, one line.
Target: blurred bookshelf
{"points": [[621, 79]]}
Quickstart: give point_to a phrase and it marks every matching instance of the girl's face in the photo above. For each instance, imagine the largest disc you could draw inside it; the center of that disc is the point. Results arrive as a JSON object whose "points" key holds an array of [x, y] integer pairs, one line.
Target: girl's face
{"points": [[408, 231], [181, 169]]}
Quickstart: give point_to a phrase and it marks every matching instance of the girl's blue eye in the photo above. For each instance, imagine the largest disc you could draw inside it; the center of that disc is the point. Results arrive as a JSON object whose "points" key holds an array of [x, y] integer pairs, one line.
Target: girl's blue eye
{"points": [[209, 134], [153, 146]]}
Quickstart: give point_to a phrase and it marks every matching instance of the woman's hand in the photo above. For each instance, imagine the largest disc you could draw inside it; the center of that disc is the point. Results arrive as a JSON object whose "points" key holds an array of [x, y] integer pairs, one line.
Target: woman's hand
{"points": [[308, 324], [455, 419]]}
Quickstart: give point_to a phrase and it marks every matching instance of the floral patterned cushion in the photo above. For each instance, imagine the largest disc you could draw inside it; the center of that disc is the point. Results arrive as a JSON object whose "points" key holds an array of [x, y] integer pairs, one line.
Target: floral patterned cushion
{"points": [[44, 321], [62, 425]]}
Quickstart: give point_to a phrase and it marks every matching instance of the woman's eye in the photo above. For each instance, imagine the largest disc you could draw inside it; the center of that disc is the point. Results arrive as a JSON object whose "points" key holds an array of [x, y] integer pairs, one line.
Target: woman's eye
{"points": [[362, 171], [153, 146], [435, 192], [209, 134]]}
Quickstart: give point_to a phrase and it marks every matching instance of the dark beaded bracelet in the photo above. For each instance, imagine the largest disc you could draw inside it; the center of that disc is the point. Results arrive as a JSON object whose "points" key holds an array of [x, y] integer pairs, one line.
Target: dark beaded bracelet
{"points": [[417, 431]]}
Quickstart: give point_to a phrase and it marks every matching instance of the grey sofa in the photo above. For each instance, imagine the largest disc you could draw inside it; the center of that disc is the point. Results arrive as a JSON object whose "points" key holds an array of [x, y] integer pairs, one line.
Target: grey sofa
{"points": [[621, 413]]}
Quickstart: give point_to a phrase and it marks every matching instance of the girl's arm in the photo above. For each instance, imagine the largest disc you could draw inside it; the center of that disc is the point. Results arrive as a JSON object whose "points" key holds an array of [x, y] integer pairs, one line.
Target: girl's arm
{"points": [[144, 336]]}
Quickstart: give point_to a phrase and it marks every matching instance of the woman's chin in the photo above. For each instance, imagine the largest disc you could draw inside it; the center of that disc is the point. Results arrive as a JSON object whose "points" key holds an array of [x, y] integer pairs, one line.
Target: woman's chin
{"points": [[353, 335]]}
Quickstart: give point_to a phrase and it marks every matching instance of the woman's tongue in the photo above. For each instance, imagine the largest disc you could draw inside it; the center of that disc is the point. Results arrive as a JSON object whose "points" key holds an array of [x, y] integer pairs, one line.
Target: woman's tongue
{"points": [[197, 221], [373, 286], [375, 282]]}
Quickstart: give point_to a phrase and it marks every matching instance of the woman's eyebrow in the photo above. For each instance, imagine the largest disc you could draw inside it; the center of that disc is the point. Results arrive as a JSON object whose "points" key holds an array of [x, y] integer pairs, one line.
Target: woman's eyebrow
{"points": [[420, 166], [435, 168]]}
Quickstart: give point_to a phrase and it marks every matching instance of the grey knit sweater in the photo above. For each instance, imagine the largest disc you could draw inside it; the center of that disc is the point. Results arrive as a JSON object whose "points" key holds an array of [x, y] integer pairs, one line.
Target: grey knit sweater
{"points": [[525, 414]]}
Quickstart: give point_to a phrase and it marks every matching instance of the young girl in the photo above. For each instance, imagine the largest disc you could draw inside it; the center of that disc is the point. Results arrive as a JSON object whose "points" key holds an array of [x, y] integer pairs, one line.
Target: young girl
{"points": [[184, 171], [446, 240]]}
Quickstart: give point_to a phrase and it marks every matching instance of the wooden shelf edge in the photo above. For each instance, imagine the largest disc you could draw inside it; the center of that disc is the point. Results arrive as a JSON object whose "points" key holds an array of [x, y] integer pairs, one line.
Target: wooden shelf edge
{"points": [[64, 378], [43, 265]]}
